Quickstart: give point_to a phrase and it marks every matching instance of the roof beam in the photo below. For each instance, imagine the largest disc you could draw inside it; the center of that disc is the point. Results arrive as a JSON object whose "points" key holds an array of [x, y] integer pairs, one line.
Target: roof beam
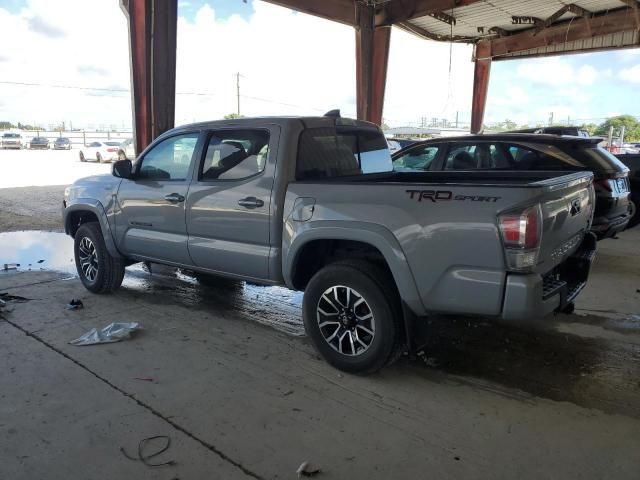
{"points": [[566, 31], [398, 11], [570, 7], [636, 9], [343, 11], [422, 33]]}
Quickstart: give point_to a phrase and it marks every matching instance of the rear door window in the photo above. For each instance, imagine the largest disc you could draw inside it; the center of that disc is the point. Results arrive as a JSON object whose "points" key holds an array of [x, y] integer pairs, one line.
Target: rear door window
{"points": [[235, 155], [331, 152], [477, 156], [419, 158]]}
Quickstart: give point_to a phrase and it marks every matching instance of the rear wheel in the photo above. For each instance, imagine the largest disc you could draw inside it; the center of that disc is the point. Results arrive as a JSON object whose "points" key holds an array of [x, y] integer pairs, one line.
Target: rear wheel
{"points": [[634, 203], [98, 270], [351, 314], [82, 159]]}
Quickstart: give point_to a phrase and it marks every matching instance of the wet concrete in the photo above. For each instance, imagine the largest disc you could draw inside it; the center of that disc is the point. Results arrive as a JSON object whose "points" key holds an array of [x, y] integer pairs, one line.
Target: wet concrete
{"points": [[565, 358]]}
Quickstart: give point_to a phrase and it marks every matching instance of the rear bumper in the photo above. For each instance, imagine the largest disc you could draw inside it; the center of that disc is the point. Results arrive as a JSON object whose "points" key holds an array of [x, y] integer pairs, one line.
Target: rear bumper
{"points": [[533, 296], [605, 227]]}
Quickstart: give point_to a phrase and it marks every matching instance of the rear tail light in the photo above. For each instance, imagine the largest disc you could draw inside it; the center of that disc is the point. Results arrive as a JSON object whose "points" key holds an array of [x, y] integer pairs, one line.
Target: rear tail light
{"points": [[521, 234], [602, 185], [112, 149]]}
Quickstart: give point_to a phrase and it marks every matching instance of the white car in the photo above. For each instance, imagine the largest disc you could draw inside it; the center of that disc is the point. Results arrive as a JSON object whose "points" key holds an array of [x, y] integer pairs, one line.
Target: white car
{"points": [[127, 150], [100, 151]]}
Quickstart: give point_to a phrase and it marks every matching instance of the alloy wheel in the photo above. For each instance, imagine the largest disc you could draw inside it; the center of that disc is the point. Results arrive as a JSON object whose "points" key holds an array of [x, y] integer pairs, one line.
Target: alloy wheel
{"points": [[345, 320], [88, 259]]}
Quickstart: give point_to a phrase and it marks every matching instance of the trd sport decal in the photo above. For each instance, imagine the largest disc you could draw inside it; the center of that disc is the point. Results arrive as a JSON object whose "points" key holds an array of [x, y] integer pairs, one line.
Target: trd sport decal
{"points": [[446, 195]]}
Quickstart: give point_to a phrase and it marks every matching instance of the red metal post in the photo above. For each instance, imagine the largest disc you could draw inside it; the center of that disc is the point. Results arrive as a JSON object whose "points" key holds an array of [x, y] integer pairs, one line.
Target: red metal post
{"points": [[152, 45], [372, 55], [480, 84]]}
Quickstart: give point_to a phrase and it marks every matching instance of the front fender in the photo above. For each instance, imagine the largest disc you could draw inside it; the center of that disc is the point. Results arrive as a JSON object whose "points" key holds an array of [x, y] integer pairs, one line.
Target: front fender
{"points": [[298, 234], [95, 207]]}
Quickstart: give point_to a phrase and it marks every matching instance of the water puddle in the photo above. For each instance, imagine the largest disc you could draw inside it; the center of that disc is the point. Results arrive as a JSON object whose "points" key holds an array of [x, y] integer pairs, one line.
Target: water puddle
{"points": [[51, 251]]}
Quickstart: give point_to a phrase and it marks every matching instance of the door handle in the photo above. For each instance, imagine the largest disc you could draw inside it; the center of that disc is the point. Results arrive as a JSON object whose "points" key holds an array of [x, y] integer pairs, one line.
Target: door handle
{"points": [[250, 202], [174, 198]]}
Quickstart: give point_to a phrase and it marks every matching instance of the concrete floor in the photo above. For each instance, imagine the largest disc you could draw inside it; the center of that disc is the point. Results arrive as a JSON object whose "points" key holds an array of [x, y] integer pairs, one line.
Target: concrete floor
{"points": [[241, 399]]}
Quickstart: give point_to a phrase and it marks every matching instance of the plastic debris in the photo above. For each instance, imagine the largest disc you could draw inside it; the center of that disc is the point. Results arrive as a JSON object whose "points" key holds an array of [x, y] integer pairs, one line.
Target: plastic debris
{"points": [[145, 379], [305, 470], [75, 304], [11, 266], [114, 332]]}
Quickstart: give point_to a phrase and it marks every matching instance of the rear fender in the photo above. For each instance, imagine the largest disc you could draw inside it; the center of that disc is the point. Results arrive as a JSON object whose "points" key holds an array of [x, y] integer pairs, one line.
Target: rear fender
{"points": [[300, 233]]}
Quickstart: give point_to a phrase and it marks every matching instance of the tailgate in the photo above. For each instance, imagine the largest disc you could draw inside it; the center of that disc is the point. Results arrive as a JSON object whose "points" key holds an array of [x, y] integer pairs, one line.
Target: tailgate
{"points": [[567, 205]]}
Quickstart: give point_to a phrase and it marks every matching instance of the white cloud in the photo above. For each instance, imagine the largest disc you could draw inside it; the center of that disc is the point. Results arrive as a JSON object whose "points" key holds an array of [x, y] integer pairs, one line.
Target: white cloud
{"points": [[631, 74], [556, 71], [291, 64], [58, 43]]}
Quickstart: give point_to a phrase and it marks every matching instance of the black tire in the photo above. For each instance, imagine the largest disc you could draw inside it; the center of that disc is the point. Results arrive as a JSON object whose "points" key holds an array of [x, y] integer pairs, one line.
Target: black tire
{"points": [[82, 159], [635, 220], [109, 270], [376, 288]]}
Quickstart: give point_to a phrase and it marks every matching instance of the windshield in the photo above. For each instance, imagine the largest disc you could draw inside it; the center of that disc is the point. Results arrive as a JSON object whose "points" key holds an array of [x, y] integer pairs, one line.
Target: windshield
{"points": [[112, 144], [11, 135], [62, 140]]}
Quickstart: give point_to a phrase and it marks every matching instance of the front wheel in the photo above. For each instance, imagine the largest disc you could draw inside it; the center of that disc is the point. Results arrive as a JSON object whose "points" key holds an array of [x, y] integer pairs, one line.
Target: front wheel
{"points": [[351, 314], [98, 270]]}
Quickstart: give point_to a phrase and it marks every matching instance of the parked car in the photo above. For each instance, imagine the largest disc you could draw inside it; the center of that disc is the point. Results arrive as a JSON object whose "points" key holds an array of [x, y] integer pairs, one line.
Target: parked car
{"points": [[41, 143], [520, 152], [633, 164], [100, 151], [127, 150], [12, 140], [62, 143], [372, 248]]}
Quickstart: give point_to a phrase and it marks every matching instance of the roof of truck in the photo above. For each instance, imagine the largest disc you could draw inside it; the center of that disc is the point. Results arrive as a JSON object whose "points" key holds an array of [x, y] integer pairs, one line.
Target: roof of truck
{"points": [[311, 121]]}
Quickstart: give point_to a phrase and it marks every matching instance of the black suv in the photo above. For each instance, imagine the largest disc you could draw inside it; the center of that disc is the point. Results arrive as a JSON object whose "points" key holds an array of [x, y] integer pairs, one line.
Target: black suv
{"points": [[518, 151]]}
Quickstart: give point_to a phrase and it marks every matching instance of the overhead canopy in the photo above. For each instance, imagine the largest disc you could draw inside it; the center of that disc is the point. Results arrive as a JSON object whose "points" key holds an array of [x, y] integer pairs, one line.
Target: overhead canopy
{"points": [[512, 27], [499, 29]]}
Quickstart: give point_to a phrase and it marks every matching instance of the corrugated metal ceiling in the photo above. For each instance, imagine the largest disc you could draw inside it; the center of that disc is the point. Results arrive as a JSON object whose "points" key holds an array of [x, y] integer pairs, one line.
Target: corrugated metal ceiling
{"points": [[475, 20]]}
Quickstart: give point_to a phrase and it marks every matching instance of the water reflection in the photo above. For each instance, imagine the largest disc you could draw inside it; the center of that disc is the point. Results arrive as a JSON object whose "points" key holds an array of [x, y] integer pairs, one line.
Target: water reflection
{"points": [[274, 306]]}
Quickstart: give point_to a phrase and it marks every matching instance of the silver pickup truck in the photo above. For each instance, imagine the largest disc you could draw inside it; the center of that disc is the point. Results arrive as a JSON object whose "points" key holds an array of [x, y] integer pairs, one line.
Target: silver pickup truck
{"points": [[314, 204]]}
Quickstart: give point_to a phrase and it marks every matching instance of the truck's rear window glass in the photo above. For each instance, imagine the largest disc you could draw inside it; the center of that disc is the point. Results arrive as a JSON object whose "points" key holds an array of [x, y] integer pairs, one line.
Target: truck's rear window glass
{"points": [[337, 152], [235, 154]]}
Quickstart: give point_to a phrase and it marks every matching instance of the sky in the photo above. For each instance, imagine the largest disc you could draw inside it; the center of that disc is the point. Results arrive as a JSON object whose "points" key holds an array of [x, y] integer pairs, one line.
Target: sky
{"points": [[289, 64]]}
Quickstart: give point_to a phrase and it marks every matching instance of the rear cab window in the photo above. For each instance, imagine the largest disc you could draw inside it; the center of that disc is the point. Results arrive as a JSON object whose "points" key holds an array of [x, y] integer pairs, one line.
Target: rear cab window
{"points": [[332, 152]]}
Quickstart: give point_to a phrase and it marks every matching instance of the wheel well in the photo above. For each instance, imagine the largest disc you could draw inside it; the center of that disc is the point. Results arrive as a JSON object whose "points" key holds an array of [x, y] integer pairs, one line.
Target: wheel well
{"points": [[318, 253], [77, 218]]}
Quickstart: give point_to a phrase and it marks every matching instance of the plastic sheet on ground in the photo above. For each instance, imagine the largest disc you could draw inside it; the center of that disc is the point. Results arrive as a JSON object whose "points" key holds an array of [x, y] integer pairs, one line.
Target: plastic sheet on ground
{"points": [[114, 332]]}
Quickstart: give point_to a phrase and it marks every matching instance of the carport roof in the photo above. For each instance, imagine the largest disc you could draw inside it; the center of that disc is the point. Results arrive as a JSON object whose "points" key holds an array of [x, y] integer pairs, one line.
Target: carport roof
{"points": [[511, 27]]}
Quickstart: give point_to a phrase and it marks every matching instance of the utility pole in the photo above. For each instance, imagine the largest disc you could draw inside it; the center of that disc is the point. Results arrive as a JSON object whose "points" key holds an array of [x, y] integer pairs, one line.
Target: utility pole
{"points": [[238, 91], [551, 119]]}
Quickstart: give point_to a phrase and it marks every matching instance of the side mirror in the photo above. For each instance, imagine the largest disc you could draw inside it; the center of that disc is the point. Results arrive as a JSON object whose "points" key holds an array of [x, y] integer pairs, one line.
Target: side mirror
{"points": [[122, 169]]}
